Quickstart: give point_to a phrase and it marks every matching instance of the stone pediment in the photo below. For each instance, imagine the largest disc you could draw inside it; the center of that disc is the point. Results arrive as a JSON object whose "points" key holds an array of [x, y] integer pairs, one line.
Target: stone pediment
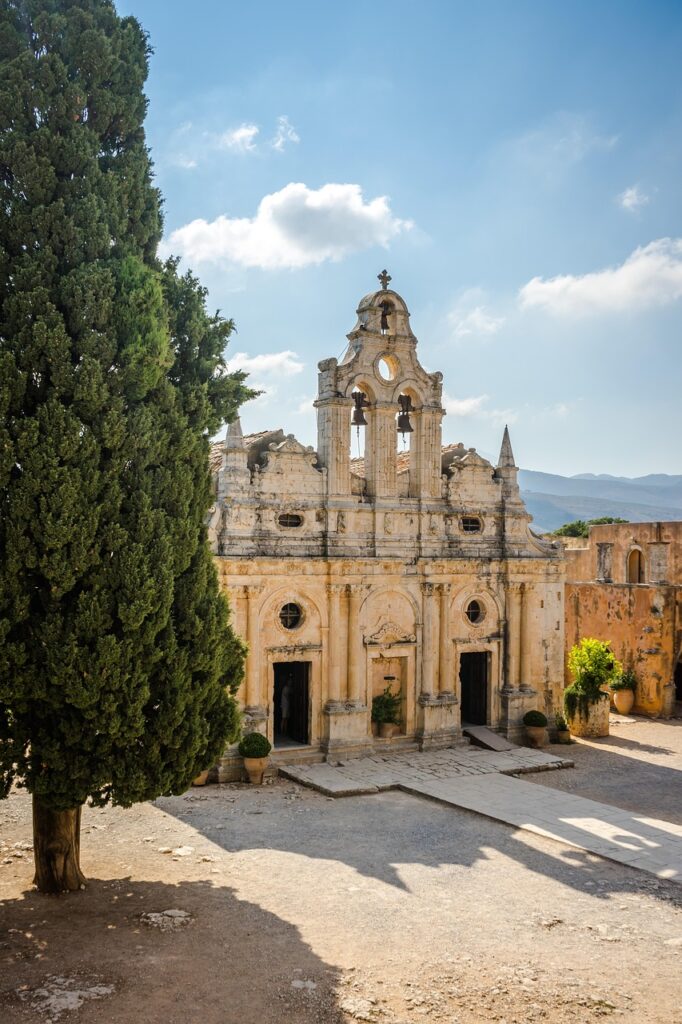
{"points": [[290, 446], [390, 633], [471, 460]]}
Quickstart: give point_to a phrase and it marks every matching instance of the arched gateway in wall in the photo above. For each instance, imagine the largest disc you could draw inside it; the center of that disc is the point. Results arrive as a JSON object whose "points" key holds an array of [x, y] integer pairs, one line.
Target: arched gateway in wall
{"points": [[410, 566]]}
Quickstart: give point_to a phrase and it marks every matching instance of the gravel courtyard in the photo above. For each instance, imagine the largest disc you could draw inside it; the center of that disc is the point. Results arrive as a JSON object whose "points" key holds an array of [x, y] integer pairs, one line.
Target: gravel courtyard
{"points": [[289, 906]]}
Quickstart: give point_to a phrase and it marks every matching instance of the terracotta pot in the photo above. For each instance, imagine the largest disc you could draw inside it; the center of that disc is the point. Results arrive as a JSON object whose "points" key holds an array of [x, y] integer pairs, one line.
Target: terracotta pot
{"points": [[375, 728], [536, 735], [388, 729], [201, 778], [255, 769], [563, 735], [596, 723], [623, 699]]}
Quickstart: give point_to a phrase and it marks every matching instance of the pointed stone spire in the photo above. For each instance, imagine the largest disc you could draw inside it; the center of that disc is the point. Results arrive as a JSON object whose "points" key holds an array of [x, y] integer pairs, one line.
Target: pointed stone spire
{"points": [[234, 437], [506, 458]]}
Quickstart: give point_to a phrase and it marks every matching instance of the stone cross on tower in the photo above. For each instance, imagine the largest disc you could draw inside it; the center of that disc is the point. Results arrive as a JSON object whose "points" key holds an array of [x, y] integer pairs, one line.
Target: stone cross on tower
{"points": [[384, 277]]}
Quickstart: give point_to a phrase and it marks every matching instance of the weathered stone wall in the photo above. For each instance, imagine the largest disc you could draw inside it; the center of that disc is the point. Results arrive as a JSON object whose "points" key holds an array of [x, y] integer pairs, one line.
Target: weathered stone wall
{"points": [[643, 623]]}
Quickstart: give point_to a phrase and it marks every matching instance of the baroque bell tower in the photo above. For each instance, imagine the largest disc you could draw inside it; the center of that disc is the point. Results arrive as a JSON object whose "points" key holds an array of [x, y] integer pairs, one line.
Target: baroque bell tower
{"points": [[380, 385]]}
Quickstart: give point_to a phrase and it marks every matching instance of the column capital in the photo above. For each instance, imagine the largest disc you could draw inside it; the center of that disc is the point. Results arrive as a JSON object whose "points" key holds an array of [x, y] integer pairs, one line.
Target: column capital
{"points": [[428, 589], [443, 588], [337, 588]]}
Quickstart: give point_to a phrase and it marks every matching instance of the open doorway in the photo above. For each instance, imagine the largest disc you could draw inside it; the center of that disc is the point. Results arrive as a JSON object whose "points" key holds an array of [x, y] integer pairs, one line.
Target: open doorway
{"points": [[677, 678], [291, 703], [473, 678]]}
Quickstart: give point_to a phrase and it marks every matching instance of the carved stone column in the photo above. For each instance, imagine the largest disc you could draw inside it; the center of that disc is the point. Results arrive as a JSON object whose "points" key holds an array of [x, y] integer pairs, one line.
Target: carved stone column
{"points": [[513, 636], [355, 645], [525, 638], [253, 667], [428, 590], [444, 683], [334, 654]]}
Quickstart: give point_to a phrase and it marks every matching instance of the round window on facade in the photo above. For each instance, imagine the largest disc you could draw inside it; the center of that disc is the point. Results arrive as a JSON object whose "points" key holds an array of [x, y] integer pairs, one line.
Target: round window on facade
{"points": [[290, 615], [475, 612], [471, 524], [387, 367], [290, 520]]}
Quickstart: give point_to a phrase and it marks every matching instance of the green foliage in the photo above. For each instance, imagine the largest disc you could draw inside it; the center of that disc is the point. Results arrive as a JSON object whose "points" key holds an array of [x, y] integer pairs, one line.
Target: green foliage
{"points": [[628, 681], [254, 744], [593, 666], [581, 527], [386, 707], [535, 718], [560, 721], [117, 661]]}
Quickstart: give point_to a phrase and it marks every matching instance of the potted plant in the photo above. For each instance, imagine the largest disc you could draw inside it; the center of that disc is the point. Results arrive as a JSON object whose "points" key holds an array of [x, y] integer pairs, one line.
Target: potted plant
{"points": [[586, 702], [536, 728], [254, 748], [563, 733], [386, 712], [623, 690]]}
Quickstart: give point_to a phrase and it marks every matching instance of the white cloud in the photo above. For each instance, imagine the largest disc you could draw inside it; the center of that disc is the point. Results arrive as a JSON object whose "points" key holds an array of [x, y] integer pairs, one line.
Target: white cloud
{"points": [[281, 364], [650, 276], [476, 407], [464, 406], [188, 163], [242, 139], [476, 321], [294, 227], [285, 133], [633, 198]]}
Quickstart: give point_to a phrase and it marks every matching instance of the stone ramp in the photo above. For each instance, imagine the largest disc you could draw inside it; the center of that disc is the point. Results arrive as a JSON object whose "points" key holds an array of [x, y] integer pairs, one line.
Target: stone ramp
{"points": [[649, 844], [481, 736]]}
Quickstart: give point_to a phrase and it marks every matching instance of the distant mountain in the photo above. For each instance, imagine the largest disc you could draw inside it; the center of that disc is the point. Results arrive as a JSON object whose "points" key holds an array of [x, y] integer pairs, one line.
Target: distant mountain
{"points": [[554, 500]]}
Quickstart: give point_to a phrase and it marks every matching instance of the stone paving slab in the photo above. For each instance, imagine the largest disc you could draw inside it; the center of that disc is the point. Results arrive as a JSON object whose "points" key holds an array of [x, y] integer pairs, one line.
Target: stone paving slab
{"points": [[371, 774], [478, 780], [650, 844]]}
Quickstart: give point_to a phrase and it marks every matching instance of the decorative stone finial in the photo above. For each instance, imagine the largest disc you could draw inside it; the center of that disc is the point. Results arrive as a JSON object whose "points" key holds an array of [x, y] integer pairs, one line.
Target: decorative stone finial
{"points": [[384, 277], [234, 437], [506, 454]]}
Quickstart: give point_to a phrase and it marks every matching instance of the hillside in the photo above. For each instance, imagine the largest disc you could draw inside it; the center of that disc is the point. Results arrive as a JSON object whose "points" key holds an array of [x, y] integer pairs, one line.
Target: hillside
{"points": [[554, 500]]}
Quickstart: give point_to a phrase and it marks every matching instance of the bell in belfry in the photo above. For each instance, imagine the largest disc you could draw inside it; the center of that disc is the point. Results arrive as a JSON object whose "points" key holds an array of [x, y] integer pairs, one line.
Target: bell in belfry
{"points": [[404, 425], [358, 417]]}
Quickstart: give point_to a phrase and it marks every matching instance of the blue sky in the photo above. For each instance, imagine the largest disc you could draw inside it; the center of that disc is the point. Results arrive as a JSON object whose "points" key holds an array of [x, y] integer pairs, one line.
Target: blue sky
{"points": [[516, 166]]}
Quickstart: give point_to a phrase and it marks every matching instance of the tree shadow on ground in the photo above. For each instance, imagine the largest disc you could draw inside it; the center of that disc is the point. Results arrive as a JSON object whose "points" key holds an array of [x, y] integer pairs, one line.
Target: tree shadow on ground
{"points": [[630, 783], [233, 961], [376, 834]]}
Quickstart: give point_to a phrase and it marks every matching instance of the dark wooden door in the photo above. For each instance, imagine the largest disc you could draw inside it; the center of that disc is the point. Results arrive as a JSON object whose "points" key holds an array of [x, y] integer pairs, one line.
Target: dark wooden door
{"points": [[295, 676], [473, 677]]}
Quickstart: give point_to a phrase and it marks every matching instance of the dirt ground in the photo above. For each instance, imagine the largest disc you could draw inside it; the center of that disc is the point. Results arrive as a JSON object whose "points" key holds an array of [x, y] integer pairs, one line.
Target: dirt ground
{"points": [[295, 908]]}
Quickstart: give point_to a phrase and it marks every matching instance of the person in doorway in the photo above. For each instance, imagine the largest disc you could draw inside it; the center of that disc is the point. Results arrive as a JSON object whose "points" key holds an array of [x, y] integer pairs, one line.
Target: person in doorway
{"points": [[285, 706]]}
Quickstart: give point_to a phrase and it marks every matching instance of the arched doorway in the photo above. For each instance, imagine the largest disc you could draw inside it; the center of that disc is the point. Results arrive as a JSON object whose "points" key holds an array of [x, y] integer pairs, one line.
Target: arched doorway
{"points": [[635, 567]]}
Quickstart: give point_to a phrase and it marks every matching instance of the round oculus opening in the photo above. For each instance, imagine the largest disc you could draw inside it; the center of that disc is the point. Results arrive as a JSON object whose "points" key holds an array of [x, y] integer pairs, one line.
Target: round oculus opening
{"points": [[290, 615], [387, 367], [471, 524], [290, 520], [475, 612]]}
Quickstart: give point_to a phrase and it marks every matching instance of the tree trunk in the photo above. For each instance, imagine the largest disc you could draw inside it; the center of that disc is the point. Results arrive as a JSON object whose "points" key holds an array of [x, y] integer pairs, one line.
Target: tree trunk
{"points": [[56, 848]]}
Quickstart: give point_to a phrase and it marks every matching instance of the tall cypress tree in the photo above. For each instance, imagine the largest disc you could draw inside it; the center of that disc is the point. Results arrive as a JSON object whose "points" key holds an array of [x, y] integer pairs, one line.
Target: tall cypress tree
{"points": [[117, 662]]}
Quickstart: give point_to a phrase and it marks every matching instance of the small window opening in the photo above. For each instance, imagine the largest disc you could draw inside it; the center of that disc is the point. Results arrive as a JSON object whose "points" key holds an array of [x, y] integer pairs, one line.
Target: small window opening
{"points": [[290, 520], [290, 615], [635, 567], [471, 524], [475, 611]]}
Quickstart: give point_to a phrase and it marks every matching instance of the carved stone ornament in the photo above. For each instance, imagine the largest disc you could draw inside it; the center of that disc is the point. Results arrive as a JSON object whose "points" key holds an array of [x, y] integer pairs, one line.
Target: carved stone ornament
{"points": [[390, 633]]}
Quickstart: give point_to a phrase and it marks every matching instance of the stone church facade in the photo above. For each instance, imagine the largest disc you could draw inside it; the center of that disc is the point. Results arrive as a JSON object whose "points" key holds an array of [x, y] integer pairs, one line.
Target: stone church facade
{"points": [[411, 566]]}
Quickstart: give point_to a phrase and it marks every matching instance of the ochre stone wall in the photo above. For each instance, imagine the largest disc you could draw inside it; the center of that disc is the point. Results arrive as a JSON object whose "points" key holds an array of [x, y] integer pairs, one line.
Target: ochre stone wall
{"points": [[642, 621]]}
